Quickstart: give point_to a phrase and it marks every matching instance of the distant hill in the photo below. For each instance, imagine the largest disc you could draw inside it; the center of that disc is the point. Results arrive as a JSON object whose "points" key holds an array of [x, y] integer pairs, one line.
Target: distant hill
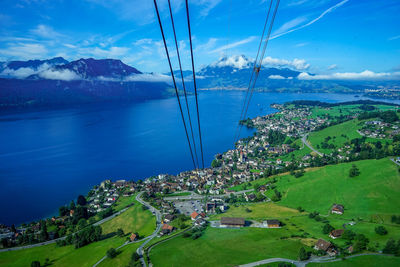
{"points": [[56, 82]]}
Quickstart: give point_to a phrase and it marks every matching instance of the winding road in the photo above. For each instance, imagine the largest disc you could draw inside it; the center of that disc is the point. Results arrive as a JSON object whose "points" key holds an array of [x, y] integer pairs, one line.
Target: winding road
{"points": [[62, 238], [154, 234], [305, 142], [324, 259]]}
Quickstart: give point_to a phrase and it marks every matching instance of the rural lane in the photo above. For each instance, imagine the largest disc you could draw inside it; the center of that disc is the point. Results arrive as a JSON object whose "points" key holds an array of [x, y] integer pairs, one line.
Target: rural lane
{"points": [[305, 142], [61, 238], [154, 234], [323, 259], [195, 196]]}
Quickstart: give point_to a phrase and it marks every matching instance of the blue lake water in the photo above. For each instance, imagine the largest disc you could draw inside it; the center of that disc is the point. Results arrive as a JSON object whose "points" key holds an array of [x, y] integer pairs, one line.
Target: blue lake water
{"points": [[48, 158]]}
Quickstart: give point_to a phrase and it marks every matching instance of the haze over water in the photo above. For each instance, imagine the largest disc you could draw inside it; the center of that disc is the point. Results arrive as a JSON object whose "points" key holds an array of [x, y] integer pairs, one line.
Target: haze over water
{"points": [[48, 158]]}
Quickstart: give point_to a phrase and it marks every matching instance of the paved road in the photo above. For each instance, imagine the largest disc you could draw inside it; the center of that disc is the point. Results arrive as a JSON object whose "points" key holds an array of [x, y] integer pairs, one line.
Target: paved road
{"points": [[154, 234], [395, 162], [323, 259], [62, 238], [304, 140], [195, 196]]}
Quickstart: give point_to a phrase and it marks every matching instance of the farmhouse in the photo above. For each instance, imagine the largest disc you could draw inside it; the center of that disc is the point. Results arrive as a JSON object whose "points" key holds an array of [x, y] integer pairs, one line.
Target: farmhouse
{"points": [[336, 233], [325, 246], [195, 216], [337, 209], [272, 223], [133, 237], [199, 222], [232, 222], [168, 218], [166, 229]]}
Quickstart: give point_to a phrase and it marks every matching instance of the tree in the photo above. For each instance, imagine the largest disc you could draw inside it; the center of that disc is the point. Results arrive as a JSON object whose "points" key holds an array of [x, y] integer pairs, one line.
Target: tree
{"points": [[63, 210], [390, 247], [303, 255], [81, 223], [35, 264], [348, 235], [380, 230], [111, 253], [361, 242], [72, 205], [216, 163], [120, 232], [354, 171], [327, 228], [81, 200]]}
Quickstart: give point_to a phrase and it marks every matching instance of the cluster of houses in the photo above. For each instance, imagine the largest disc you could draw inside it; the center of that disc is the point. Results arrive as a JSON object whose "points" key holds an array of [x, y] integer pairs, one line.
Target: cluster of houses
{"points": [[380, 129], [294, 122]]}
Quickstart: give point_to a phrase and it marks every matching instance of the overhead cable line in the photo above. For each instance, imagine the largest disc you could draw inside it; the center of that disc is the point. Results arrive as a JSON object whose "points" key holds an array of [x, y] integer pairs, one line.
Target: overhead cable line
{"points": [[259, 65], [183, 82], [194, 81], [173, 79], [237, 134]]}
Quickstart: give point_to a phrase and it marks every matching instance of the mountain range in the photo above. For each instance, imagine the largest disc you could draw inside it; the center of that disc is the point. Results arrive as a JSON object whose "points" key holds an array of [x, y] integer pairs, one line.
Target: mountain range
{"points": [[56, 81]]}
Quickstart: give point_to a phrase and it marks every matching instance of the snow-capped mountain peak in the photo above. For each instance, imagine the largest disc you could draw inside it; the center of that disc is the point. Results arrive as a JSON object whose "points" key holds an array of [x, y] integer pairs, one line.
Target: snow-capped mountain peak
{"points": [[236, 61]]}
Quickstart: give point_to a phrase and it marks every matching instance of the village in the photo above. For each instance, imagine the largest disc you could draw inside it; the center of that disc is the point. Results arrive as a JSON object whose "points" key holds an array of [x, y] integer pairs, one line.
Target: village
{"points": [[194, 198]]}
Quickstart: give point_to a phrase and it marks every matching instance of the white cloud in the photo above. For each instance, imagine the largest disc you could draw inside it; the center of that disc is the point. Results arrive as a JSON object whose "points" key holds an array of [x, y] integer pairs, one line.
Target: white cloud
{"points": [[70, 46], [290, 24], [45, 31], [329, 10], [112, 52], [18, 73], [301, 44], [239, 62], [64, 75], [207, 6], [332, 67], [298, 64], [232, 45], [276, 77], [24, 51], [365, 75], [394, 38], [148, 78]]}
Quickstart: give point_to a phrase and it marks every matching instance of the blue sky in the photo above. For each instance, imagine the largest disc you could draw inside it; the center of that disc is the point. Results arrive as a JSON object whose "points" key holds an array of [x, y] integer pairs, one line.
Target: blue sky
{"points": [[326, 37]]}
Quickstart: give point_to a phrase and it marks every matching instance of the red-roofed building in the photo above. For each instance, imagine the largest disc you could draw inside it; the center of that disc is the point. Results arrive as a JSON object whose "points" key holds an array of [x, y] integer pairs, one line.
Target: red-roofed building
{"points": [[195, 216]]}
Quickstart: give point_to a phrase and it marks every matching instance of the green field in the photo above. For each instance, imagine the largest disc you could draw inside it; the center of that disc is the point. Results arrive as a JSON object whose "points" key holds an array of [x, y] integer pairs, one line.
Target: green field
{"points": [[61, 256], [344, 110], [123, 258], [375, 191], [340, 134], [348, 128], [363, 261], [225, 247], [135, 219], [259, 211], [370, 199]]}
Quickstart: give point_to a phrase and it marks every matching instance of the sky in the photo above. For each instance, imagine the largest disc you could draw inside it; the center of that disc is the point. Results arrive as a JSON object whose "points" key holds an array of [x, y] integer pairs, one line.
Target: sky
{"points": [[324, 37]]}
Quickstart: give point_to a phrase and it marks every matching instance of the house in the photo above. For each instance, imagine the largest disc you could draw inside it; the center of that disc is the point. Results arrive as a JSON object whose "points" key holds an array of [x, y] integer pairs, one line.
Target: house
{"points": [[336, 233], [337, 209], [325, 246], [195, 216], [272, 223], [199, 222], [133, 237], [232, 222], [166, 229], [169, 218], [262, 188]]}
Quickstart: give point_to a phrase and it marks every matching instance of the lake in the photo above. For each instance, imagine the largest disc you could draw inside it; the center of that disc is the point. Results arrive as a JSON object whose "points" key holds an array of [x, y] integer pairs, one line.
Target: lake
{"points": [[48, 158]]}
